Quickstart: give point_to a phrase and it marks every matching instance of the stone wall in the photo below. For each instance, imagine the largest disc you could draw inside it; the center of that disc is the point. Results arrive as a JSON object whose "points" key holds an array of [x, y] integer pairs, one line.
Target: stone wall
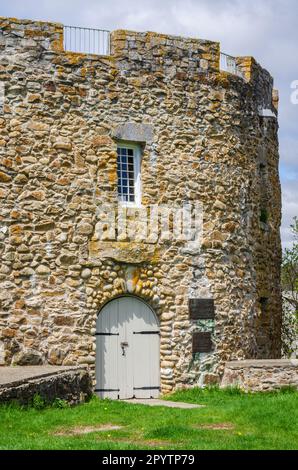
{"points": [[260, 375], [22, 384], [203, 139]]}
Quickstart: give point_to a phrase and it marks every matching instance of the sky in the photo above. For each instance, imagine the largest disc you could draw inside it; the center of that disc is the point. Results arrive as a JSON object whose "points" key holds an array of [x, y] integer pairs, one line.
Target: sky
{"points": [[265, 29]]}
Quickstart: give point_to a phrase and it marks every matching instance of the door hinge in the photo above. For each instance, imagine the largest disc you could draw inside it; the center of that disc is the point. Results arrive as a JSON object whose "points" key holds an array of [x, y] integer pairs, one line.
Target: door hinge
{"points": [[146, 388], [106, 334], [107, 390], [146, 333]]}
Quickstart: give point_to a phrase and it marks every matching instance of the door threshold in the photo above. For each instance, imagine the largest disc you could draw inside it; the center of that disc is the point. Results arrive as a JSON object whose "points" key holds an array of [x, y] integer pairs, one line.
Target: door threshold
{"points": [[160, 402]]}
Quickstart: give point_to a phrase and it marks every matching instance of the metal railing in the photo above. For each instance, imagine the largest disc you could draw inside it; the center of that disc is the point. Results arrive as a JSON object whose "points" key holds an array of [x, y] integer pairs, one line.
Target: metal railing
{"points": [[228, 64], [97, 41], [86, 40]]}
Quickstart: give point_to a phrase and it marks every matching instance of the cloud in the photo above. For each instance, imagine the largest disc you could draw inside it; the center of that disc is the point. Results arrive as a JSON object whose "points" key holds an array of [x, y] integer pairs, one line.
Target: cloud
{"points": [[289, 153], [290, 201], [266, 29]]}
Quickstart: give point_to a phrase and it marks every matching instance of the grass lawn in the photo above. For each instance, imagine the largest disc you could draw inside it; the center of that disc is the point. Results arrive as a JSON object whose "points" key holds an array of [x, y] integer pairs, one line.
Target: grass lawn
{"points": [[230, 420]]}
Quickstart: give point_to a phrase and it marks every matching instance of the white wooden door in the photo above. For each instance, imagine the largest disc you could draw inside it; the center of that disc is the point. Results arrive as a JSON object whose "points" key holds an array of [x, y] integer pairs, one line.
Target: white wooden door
{"points": [[127, 350]]}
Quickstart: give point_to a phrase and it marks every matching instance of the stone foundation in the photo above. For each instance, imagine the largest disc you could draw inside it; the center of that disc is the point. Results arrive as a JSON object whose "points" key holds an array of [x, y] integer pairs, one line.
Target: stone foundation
{"points": [[21, 384], [258, 375]]}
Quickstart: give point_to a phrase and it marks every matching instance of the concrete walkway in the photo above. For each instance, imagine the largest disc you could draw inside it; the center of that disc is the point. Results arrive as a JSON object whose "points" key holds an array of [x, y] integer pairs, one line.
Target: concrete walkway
{"points": [[166, 403]]}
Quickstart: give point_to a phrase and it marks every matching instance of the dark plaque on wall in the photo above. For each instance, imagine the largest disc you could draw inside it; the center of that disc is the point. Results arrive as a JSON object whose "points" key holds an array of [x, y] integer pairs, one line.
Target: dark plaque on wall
{"points": [[202, 342], [201, 309]]}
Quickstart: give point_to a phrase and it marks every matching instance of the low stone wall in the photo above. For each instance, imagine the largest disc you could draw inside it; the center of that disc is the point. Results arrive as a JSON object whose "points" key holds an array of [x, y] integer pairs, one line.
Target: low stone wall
{"points": [[261, 375], [72, 384]]}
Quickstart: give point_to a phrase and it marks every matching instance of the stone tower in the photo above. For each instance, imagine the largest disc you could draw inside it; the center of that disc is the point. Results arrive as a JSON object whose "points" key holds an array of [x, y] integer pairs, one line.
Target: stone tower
{"points": [[203, 136]]}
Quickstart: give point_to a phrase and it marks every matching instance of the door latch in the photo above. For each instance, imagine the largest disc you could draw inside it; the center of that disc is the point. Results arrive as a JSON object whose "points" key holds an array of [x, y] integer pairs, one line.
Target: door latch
{"points": [[123, 346]]}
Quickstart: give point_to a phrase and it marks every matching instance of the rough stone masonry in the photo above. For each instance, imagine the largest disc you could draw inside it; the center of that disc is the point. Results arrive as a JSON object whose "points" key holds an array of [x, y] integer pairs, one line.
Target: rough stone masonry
{"points": [[206, 135]]}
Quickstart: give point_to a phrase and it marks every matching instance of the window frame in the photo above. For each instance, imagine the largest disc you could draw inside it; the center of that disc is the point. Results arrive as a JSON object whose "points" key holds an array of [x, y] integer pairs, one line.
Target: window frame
{"points": [[137, 155]]}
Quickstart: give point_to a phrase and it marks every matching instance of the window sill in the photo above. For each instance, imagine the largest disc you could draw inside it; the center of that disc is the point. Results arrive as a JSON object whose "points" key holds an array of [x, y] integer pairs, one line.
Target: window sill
{"points": [[131, 205]]}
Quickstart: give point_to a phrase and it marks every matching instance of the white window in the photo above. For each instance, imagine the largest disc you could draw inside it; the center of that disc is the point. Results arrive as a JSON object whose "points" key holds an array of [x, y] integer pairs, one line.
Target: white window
{"points": [[129, 174]]}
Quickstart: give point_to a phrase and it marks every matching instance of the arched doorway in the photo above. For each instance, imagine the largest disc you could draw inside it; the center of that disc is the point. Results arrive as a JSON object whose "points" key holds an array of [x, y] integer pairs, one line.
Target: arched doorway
{"points": [[127, 350]]}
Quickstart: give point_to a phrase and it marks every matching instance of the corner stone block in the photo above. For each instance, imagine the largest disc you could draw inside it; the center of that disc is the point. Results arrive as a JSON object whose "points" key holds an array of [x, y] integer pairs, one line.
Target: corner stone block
{"points": [[134, 132]]}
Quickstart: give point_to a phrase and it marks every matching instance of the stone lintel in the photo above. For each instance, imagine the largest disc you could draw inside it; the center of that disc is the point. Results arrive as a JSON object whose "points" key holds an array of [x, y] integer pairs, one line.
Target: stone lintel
{"points": [[134, 132], [125, 252]]}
